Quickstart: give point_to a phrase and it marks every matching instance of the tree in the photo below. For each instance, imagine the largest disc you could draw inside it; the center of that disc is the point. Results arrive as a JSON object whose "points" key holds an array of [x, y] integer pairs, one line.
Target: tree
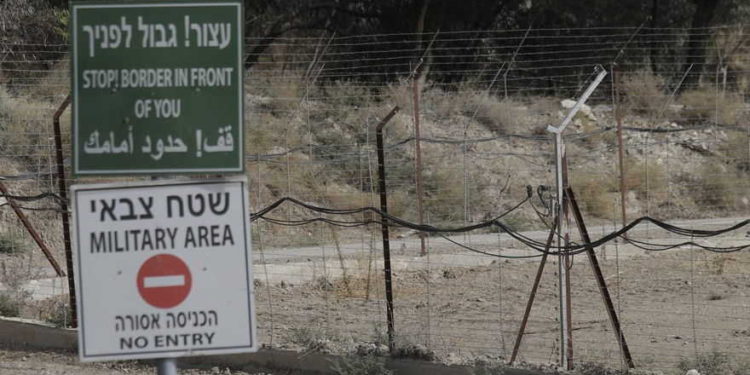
{"points": [[697, 40]]}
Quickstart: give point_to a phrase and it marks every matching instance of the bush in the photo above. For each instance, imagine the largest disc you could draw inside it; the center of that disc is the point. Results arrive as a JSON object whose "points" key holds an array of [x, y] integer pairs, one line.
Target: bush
{"points": [[736, 151], [29, 22], [647, 178], [23, 121], [11, 244], [55, 311], [9, 305], [404, 348], [596, 194], [644, 93], [505, 116], [444, 191], [719, 187]]}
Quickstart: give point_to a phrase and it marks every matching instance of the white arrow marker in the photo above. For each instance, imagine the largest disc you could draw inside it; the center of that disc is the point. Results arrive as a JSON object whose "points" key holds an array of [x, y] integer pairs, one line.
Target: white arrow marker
{"points": [[163, 281]]}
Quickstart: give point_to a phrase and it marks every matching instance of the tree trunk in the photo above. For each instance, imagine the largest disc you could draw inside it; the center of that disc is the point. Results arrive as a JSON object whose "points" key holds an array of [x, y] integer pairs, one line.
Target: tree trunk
{"points": [[696, 46], [654, 49]]}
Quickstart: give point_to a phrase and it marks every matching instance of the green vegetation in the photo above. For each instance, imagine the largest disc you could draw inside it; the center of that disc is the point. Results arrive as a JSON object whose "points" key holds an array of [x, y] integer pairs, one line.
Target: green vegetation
{"points": [[9, 305], [716, 363], [10, 244], [360, 365]]}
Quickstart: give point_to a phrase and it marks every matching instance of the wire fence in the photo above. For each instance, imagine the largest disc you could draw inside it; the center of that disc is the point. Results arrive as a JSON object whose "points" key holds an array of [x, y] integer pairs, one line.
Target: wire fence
{"points": [[484, 102]]}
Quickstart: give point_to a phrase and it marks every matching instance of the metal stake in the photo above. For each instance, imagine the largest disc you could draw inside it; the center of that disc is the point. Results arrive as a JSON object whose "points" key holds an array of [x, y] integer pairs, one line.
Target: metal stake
{"points": [[166, 366], [620, 147], [562, 268], [384, 228], [601, 283], [532, 295], [418, 166], [30, 228], [63, 191], [565, 343]]}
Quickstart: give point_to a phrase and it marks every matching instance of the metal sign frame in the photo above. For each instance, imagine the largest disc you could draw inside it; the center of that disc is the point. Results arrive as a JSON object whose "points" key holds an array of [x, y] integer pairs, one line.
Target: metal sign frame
{"points": [[119, 126], [108, 269]]}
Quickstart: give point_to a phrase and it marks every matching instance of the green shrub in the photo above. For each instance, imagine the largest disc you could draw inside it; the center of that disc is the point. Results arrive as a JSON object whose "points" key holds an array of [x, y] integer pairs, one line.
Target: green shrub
{"points": [[360, 365], [9, 305], [11, 244]]}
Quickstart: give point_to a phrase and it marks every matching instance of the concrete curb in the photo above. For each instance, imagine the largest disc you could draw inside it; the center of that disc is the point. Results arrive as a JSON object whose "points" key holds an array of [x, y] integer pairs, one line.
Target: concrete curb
{"points": [[31, 335], [25, 334]]}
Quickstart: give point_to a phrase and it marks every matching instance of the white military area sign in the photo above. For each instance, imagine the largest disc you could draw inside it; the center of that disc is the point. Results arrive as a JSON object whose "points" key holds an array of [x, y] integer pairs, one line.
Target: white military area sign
{"points": [[163, 269]]}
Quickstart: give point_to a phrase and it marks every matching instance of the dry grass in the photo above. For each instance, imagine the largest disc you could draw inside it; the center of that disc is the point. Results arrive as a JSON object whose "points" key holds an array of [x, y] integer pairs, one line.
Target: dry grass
{"points": [[54, 85], [54, 310], [598, 193], [359, 286], [445, 192], [718, 186], [400, 94], [736, 151], [716, 363], [505, 116], [519, 115], [644, 93], [709, 104], [25, 125]]}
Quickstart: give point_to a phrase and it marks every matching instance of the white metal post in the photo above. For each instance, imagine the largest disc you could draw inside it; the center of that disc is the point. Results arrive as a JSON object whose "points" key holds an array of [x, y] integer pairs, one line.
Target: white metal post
{"points": [[562, 266], [166, 366]]}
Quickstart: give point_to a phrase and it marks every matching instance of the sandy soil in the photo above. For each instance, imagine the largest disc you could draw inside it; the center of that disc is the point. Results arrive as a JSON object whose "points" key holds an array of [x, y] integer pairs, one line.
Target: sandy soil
{"points": [[673, 305]]}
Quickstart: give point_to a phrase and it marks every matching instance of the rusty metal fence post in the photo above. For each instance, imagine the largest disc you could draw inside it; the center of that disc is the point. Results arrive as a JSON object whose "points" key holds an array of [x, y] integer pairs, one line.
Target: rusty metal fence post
{"points": [[384, 227], [63, 191]]}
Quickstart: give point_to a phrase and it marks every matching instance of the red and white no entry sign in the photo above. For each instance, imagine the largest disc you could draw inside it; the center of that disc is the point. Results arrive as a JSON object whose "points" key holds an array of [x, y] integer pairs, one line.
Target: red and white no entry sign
{"points": [[164, 281], [174, 298]]}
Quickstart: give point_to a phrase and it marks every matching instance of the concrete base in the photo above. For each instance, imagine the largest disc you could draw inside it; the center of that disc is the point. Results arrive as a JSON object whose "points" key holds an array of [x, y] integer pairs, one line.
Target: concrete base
{"points": [[24, 334], [29, 335]]}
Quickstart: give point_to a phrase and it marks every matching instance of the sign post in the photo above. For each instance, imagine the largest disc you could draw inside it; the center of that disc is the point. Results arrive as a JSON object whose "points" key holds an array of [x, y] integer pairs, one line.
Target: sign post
{"points": [[163, 270], [157, 87]]}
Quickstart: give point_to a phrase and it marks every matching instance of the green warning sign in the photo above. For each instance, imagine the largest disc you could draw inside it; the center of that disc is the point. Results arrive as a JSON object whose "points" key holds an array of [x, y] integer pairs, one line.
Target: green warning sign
{"points": [[157, 87]]}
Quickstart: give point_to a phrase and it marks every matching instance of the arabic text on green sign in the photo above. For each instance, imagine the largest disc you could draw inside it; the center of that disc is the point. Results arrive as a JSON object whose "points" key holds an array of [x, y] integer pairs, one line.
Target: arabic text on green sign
{"points": [[157, 87]]}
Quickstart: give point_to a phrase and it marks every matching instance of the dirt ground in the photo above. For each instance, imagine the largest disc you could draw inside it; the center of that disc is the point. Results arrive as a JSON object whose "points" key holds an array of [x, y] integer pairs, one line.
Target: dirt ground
{"points": [[673, 306], [54, 363]]}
